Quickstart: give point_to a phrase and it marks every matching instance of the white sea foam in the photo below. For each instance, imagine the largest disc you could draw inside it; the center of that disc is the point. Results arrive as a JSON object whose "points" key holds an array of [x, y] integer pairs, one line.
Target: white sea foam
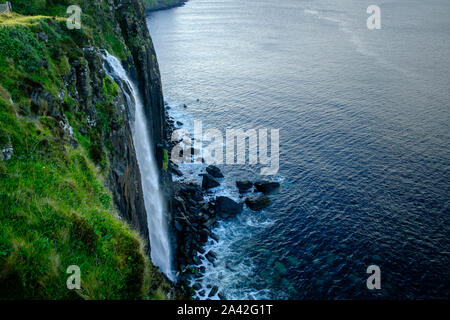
{"points": [[232, 272]]}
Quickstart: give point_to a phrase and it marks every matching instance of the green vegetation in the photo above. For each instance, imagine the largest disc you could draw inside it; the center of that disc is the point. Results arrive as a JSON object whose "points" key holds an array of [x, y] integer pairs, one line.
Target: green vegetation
{"points": [[161, 4], [54, 208]]}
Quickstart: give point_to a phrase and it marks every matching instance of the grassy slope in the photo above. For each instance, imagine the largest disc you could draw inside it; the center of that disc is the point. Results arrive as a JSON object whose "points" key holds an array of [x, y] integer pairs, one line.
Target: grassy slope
{"points": [[54, 208]]}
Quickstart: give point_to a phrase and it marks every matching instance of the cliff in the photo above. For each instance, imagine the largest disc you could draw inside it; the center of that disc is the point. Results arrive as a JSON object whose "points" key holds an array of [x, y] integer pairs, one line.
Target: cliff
{"points": [[70, 191], [154, 5]]}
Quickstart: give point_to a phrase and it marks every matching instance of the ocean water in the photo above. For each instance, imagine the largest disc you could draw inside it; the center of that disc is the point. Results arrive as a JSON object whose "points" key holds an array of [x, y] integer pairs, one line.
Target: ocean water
{"points": [[364, 140]]}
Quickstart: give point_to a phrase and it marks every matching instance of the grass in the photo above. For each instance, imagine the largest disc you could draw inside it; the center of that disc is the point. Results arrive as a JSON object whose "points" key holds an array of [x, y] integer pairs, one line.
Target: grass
{"points": [[15, 19], [55, 210]]}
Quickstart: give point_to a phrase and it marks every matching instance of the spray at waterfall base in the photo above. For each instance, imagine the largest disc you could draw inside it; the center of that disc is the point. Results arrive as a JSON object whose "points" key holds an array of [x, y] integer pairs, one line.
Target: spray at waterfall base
{"points": [[208, 147]]}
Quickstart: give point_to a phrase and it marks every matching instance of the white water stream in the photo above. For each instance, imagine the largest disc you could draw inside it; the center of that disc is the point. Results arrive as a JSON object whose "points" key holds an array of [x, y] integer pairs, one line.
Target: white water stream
{"points": [[161, 251]]}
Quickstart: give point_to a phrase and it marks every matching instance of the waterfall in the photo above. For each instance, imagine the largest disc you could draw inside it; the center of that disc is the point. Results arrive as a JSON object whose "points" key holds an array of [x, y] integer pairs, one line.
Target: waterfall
{"points": [[161, 251]]}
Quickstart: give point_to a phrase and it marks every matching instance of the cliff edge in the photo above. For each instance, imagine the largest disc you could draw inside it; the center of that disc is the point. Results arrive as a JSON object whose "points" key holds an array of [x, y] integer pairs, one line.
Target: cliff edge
{"points": [[70, 190]]}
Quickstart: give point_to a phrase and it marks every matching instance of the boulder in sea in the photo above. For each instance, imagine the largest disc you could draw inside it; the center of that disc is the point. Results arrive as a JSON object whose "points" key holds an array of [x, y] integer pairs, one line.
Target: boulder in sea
{"points": [[213, 291], [211, 256], [244, 186], [226, 207], [178, 226], [209, 182], [267, 187], [197, 286], [214, 171], [257, 202]]}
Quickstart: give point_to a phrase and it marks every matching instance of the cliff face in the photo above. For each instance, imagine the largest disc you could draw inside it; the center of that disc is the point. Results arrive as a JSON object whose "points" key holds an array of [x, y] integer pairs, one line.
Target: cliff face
{"points": [[143, 66], [154, 5], [69, 150]]}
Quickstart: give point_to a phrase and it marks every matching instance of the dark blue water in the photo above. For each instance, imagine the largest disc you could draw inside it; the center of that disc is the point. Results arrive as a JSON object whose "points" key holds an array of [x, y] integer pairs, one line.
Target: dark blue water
{"points": [[364, 140]]}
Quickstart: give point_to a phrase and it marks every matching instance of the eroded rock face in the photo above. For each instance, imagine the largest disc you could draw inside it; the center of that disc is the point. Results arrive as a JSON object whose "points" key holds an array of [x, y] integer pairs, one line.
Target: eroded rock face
{"points": [[124, 178]]}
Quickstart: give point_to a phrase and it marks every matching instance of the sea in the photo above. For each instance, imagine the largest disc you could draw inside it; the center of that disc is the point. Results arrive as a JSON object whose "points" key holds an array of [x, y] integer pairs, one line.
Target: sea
{"points": [[364, 140]]}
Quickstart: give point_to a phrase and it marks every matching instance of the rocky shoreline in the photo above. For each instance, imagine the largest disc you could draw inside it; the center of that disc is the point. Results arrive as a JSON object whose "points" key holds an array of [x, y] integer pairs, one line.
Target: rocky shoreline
{"points": [[194, 218]]}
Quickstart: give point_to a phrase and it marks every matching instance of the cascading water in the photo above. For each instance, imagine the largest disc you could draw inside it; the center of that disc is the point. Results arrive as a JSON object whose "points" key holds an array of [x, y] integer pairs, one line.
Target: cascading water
{"points": [[161, 252]]}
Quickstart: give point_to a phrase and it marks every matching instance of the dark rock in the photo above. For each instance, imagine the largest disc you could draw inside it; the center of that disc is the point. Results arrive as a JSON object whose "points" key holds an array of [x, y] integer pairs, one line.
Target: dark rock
{"points": [[7, 153], [210, 222], [244, 186], [197, 261], [267, 187], [257, 202], [178, 226], [226, 207], [215, 237], [197, 286], [202, 293], [211, 256], [180, 123], [213, 291], [221, 296], [209, 182], [214, 171], [204, 234], [201, 250]]}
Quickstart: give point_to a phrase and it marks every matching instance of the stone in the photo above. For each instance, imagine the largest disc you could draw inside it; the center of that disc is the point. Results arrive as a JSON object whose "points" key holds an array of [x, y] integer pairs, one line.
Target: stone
{"points": [[7, 153], [178, 226], [211, 256], [244, 186], [214, 237], [267, 187], [214, 171], [257, 202], [197, 286], [213, 291], [209, 182], [226, 207]]}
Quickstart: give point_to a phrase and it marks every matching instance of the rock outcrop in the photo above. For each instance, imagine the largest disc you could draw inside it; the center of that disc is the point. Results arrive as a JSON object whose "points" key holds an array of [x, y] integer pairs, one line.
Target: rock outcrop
{"points": [[155, 5]]}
